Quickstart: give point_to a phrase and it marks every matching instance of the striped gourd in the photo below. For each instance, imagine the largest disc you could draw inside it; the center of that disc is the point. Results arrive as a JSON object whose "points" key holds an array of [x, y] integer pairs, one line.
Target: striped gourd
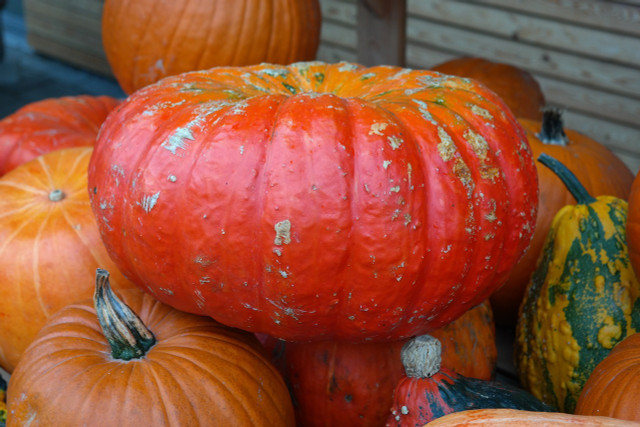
{"points": [[582, 299]]}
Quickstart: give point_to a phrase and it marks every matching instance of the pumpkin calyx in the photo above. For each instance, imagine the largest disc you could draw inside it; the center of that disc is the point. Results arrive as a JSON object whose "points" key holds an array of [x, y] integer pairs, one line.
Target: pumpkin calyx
{"points": [[568, 178], [552, 131], [421, 356], [57, 195], [127, 335]]}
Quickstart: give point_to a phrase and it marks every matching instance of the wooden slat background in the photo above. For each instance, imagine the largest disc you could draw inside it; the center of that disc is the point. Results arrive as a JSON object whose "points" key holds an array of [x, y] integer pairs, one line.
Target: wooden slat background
{"points": [[584, 53]]}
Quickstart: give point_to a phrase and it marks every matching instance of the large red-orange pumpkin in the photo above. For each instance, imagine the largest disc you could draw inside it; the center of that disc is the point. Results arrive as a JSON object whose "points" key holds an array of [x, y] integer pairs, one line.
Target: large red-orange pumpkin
{"points": [[336, 383], [597, 168], [316, 201], [132, 361], [613, 387], [50, 245], [516, 86], [146, 40], [51, 124], [633, 225]]}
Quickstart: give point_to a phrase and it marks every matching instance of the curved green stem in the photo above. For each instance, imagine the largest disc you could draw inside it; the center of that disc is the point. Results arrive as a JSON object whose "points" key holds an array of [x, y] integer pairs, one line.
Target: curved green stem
{"points": [[568, 178], [127, 335]]}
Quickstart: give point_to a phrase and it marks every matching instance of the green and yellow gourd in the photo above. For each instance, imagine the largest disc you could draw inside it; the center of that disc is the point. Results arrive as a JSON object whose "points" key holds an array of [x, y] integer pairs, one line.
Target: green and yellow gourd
{"points": [[582, 298]]}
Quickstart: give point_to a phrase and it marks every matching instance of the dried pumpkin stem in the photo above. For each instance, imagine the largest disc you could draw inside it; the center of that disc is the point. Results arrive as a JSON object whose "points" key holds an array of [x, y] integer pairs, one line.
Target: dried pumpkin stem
{"points": [[568, 178], [127, 335], [421, 356]]}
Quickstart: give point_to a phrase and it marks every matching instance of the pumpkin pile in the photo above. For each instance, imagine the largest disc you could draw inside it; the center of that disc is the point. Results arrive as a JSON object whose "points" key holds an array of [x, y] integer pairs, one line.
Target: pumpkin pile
{"points": [[294, 242]]}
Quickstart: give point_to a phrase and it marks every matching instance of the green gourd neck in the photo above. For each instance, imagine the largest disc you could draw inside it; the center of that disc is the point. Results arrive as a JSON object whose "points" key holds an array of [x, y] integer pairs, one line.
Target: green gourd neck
{"points": [[572, 183], [552, 130], [125, 332]]}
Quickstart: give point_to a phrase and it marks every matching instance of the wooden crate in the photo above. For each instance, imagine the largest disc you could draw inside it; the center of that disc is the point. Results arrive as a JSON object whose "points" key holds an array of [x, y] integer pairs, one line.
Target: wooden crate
{"points": [[68, 30]]}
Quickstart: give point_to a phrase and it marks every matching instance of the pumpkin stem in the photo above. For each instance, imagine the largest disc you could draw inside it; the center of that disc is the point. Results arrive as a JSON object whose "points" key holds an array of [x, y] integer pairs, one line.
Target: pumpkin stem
{"points": [[128, 337], [57, 195], [421, 356], [568, 178], [552, 131]]}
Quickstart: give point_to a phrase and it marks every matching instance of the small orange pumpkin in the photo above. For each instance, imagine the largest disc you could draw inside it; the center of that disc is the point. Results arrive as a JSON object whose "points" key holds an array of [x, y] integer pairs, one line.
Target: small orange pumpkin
{"points": [[51, 124], [599, 170], [50, 245], [613, 388], [142, 363]]}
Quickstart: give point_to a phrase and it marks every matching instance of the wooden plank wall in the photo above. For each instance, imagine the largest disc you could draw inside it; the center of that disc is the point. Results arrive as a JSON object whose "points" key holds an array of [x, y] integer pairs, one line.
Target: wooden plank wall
{"points": [[584, 53]]}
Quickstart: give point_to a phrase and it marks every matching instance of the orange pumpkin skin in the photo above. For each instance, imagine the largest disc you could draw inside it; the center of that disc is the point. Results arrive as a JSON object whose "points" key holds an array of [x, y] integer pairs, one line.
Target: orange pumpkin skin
{"points": [[613, 387], [597, 168], [633, 225], [520, 418], [340, 383], [316, 201], [164, 38], [51, 124], [516, 86], [50, 248], [198, 373]]}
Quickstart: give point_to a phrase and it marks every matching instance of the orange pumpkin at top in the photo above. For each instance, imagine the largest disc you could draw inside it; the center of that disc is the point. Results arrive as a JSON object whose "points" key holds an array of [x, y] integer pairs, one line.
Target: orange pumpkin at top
{"points": [[316, 201], [517, 87], [597, 168], [146, 40]]}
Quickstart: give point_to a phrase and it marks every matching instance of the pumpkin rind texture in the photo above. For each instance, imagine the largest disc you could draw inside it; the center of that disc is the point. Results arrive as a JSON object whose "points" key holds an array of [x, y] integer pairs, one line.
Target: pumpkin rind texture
{"points": [[613, 387], [164, 38], [340, 383], [598, 169], [51, 245], [51, 124], [582, 300], [520, 418], [316, 201], [517, 87], [198, 373]]}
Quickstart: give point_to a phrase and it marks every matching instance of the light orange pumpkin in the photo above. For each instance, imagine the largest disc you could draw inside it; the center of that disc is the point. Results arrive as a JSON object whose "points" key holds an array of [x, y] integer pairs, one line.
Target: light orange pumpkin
{"points": [[141, 363], [49, 245], [146, 40], [520, 418]]}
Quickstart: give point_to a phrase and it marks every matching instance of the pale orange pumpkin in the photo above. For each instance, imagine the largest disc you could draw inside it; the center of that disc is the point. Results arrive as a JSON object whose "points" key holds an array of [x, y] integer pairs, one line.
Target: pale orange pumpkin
{"points": [[50, 245]]}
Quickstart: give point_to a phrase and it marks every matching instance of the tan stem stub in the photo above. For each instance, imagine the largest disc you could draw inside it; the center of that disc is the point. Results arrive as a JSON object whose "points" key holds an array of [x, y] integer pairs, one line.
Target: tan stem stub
{"points": [[421, 356]]}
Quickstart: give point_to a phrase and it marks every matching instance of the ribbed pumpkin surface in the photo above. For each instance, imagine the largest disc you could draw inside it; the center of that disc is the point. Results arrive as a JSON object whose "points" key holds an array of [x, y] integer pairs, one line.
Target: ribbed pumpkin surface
{"points": [[316, 201]]}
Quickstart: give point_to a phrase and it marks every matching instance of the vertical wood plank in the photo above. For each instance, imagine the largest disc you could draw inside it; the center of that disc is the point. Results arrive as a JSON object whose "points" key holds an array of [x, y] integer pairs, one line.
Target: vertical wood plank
{"points": [[381, 32]]}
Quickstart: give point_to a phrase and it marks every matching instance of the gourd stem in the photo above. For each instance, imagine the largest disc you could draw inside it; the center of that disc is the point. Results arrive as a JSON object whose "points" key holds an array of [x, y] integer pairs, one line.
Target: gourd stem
{"points": [[421, 356], [552, 131], [127, 335], [568, 178]]}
